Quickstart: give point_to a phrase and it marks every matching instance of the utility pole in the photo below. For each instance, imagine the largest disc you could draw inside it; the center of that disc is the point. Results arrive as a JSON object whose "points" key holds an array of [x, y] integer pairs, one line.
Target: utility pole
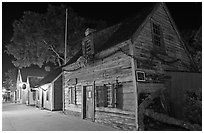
{"points": [[65, 61], [65, 41]]}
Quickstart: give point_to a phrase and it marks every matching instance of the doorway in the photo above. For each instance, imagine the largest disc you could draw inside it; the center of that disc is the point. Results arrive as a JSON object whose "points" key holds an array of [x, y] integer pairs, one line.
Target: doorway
{"points": [[88, 103]]}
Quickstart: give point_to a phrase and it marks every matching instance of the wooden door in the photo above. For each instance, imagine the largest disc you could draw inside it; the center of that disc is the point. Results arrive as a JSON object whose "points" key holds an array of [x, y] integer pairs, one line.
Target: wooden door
{"points": [[89, 102]]}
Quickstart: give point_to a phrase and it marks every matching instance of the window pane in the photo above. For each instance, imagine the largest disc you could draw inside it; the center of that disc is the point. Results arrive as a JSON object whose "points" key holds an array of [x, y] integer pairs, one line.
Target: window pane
{"points": [[72, 95], [157, 34], [78, 95], [109, 96]]}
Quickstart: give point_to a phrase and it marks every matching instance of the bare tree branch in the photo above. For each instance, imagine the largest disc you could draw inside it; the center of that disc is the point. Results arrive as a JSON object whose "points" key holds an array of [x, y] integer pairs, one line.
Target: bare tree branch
{"points": [[59, 61], [51, 48]]}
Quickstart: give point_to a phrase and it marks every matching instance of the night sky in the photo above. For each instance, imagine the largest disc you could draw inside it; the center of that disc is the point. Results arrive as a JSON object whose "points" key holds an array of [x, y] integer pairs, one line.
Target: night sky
{"points": [[186, 15]]}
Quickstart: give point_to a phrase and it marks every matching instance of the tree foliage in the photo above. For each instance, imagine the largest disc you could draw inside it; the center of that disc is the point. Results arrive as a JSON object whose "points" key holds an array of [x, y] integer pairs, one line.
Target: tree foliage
{"points": [[10, 79], [193, 40], [39, 38]]}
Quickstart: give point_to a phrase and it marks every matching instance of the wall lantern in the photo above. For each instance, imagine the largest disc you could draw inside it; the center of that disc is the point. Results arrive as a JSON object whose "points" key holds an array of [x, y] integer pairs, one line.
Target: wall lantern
{"points": [[140, 76]]}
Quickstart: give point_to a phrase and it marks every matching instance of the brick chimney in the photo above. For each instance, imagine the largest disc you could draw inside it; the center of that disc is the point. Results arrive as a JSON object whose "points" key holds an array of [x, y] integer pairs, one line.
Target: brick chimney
{"points": [[88, 43], [89, 31]]}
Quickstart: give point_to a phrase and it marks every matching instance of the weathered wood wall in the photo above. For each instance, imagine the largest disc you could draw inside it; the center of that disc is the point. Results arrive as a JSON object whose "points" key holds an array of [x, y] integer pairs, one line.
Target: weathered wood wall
{"points": [[173, 46], [105, 70], [115, 64]]}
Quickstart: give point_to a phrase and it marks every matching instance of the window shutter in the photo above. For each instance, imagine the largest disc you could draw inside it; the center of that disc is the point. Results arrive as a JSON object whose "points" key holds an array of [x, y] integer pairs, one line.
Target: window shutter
{"points": [[69, 95], [78, 94], [113, 88], [105, 95], [99, 96], [74, 95]]}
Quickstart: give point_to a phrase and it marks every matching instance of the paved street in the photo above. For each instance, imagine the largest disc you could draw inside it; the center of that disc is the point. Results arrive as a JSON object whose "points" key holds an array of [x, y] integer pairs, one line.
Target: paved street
{"points": [[19, 117]]}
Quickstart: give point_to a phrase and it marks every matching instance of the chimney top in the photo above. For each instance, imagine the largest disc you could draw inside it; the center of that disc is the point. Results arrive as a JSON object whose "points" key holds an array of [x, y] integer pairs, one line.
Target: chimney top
{"points": [[89, 31], [47, 68]]}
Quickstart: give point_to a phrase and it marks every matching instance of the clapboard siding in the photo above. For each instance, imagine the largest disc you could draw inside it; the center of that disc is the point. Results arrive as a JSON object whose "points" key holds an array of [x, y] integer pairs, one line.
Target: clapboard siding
{"points": [[105, 71], [172, 43]]}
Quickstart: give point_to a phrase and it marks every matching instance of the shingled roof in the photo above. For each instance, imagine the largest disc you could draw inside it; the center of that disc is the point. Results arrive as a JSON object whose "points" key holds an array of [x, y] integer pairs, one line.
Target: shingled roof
{"points": [[118, 33], [34, 80], [128, 27], [50, 77]]}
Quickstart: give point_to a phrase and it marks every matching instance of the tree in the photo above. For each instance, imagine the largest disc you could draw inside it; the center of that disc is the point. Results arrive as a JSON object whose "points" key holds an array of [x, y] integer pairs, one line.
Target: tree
{"points": [[193, 40], [10, 81], [39, 38]]}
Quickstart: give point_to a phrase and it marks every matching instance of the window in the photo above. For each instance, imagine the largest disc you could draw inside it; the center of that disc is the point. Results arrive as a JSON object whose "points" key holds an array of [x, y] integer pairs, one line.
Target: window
{"points": [[38, 95], [101, 100], [157, 36], [72, 93], [47, 95], [105, 96], [75, 94], [78, 94], [110, 96], [34, 95], [140, 76]]}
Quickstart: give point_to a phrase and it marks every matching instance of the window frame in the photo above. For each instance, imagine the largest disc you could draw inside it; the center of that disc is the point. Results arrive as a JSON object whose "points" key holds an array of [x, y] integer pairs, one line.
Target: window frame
{"points": [[137, 74], [72, 94], [108, 93], [157, 37], [78, 88], [34, 95], [38, 95]]}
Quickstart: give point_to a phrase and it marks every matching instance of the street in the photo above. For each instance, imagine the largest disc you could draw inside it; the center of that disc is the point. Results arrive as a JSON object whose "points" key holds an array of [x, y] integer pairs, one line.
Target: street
{"points": [[19, 117]]}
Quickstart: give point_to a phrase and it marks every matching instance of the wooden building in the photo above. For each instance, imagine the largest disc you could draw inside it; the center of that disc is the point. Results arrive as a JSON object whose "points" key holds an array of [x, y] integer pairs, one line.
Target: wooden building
{"points": [[49, 92], [26, 78], [104, 80]]}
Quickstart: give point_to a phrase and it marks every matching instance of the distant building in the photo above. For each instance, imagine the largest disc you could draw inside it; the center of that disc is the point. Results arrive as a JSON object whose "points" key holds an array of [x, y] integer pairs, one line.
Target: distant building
{"points": [[26, 79], [49, 92]]}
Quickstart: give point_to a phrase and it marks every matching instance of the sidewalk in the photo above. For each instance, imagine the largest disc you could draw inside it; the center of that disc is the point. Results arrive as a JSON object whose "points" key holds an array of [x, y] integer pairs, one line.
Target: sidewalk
{"points": [[19, 117]]}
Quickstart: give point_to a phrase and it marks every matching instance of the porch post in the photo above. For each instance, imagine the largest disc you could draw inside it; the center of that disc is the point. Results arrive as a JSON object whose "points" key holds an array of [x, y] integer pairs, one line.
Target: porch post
{"points": [[63, 89], [134, 68], [93, 95]]}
